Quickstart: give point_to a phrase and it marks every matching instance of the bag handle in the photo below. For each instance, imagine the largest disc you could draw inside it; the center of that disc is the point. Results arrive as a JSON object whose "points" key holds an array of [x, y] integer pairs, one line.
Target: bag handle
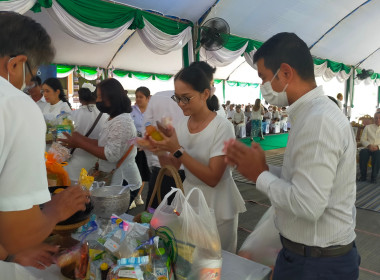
{"points": [[202, 203], [90, 130], [157, 186]]}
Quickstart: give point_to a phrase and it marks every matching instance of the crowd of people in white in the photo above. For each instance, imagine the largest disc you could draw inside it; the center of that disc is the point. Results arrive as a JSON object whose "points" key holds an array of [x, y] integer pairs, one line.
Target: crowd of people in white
{"points": [[256, 120]]}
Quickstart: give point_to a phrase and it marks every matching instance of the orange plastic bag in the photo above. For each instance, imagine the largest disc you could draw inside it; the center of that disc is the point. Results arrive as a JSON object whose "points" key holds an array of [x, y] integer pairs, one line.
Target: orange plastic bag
{"points": [[57, 175]]}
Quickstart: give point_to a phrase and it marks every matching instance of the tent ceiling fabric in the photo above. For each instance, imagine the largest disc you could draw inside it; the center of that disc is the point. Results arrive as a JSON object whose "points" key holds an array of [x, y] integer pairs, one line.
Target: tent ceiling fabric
{"points": [[351, 41], [185, 9], [136, 56]]}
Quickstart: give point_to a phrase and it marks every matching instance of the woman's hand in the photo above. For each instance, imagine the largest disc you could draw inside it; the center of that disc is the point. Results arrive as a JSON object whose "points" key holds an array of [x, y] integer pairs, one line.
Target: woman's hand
{"points": [[72, 141], [169, 144]]}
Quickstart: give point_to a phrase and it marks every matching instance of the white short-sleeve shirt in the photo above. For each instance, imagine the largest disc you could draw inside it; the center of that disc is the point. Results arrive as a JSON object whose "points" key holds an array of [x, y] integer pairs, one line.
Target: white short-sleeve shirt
{"points": [[225, 197], [23, 181], [52, 111]]}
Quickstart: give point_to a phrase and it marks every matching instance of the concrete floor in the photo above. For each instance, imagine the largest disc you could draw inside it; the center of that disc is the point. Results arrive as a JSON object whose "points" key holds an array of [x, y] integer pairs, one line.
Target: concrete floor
{"points": [[367, 227]]}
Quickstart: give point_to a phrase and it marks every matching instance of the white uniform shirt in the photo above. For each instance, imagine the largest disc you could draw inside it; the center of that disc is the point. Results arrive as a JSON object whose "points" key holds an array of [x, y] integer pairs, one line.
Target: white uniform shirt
{"points": [[225, 197], [83, 119], [314, 193], [230, 114], [23, 181], [239, 117], [52, 111], [41, 103], [370, 135], [161, 105], [116, 136]]}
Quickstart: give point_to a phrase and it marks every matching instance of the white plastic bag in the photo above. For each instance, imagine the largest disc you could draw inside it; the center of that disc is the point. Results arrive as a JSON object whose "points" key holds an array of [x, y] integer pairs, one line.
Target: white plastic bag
{"points": [[264, 243], [194, 227]]}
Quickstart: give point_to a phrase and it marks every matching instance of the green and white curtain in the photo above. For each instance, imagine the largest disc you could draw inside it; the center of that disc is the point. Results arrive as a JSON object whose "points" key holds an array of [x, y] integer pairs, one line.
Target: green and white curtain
{"points": [[328, 69], [101, 22], [18, 6]]}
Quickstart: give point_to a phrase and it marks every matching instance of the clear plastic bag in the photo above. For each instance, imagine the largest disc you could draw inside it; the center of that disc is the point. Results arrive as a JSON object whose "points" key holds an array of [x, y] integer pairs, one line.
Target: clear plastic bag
{"points": [[194, 227], [263, 244]]}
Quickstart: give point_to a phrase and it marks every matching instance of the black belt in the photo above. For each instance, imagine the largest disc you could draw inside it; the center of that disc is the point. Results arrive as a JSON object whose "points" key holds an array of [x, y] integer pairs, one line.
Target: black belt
{"points": [[316, 252]]}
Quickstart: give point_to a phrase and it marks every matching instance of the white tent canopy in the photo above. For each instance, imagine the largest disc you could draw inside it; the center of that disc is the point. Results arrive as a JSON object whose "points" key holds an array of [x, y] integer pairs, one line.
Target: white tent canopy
{"points": [[341, 31]]}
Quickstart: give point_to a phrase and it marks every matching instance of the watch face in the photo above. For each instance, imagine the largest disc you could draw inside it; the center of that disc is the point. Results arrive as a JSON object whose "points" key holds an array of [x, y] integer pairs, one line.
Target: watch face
{"points": [[177, 154]]}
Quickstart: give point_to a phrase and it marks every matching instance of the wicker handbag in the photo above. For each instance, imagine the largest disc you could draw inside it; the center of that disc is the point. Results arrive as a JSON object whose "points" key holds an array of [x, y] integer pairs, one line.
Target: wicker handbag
{"points": [[157, 187]]}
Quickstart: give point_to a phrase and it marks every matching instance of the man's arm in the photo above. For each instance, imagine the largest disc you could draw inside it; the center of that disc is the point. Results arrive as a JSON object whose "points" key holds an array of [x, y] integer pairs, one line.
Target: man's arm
{"points": [[21, 230]]}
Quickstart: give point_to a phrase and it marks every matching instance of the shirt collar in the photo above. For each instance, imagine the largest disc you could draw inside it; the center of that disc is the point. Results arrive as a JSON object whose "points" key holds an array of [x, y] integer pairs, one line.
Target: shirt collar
{"points": [[305, 99]]}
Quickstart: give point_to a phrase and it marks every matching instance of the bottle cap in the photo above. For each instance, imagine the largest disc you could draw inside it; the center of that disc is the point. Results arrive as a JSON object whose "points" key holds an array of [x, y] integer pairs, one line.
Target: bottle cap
{"points": [[104, 266]]}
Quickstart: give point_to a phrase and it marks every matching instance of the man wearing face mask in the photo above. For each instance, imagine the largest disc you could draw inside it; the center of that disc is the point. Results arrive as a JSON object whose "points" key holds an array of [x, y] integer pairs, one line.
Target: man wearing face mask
{"points": [[23, 181], [314, 193]]}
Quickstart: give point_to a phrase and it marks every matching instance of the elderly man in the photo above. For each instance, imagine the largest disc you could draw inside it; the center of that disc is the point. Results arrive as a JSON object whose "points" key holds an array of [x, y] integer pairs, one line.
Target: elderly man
{"points": [[36, 92], [371, 141], [230, 112], [23, 181], [238, 120]]}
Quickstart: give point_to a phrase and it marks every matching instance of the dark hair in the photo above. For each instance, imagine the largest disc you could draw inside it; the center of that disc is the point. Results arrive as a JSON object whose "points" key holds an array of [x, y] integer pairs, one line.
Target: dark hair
{"points": [[198, 80], [207, 69], [143, 90], [55, 84], [333, 100], [22, 35], [287, 48], [86, 95], [37, 80], [112, 90]]}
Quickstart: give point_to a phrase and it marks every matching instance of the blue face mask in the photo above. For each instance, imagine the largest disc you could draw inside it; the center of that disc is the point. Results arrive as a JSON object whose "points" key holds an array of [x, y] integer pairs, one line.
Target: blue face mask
{"points": [[273, 97]]}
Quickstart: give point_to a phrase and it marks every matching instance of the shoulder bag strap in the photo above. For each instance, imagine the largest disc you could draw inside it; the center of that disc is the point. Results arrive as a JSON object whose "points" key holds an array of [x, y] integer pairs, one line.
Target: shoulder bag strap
{"points": [[90, 130], [123, 158]]}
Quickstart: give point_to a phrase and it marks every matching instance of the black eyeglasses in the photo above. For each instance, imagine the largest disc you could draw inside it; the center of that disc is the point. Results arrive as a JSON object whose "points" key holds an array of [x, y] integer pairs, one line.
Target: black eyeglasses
{"points": [[183, 99], [33, 83]]}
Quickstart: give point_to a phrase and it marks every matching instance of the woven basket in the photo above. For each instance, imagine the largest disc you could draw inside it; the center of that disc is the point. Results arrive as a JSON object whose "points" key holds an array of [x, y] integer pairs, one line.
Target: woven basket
{"points": [[167, 169]]}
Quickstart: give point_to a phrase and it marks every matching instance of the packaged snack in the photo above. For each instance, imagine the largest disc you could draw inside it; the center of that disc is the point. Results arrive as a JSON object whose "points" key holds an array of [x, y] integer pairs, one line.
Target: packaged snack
{"points": [[153, 132], [85, 180]]}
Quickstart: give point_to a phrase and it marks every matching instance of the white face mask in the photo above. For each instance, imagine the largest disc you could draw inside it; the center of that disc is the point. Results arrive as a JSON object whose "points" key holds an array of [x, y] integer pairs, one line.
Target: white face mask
{"points": [[23, 71], [273, 97]]}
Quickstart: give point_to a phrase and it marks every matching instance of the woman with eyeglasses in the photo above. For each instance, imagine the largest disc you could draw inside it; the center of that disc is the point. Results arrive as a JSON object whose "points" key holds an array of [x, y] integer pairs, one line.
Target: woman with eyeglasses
{"points": [[197, 143], [55, 98]]}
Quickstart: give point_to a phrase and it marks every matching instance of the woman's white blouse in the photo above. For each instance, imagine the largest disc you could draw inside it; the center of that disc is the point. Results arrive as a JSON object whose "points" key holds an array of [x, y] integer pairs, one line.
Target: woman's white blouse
{"points": [[116, 137], [225, 197], [52, 111], [83, 119]]}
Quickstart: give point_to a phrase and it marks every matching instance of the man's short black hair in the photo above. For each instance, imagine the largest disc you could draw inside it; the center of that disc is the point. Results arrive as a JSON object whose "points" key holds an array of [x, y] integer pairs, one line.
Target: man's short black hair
{"points": [[287, 48], [22, 35]]}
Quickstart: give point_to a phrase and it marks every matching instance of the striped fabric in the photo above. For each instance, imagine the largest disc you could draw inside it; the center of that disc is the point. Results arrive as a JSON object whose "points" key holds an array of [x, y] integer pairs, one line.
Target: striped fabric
{"points": [[315, 195]]}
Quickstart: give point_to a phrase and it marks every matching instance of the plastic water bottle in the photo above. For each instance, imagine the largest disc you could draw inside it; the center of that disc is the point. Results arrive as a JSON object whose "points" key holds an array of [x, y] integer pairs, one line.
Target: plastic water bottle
{"points": [[160, 265]]}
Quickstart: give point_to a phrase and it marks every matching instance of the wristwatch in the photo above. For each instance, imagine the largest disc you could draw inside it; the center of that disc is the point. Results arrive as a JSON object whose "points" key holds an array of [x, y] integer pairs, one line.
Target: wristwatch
{"points": [[179, 152]]}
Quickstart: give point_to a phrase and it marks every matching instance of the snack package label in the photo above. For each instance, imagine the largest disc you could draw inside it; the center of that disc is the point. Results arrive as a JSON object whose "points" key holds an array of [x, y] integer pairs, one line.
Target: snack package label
{"points": [[210, 274], [111, 245], [61, 129], [127, 273]]}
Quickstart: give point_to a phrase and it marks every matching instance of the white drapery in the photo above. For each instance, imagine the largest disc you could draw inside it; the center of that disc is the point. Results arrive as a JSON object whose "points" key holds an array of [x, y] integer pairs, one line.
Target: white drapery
{"points": [[162, 43], [18, 6], [83, 31], [327, 74], [221, 57]]}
